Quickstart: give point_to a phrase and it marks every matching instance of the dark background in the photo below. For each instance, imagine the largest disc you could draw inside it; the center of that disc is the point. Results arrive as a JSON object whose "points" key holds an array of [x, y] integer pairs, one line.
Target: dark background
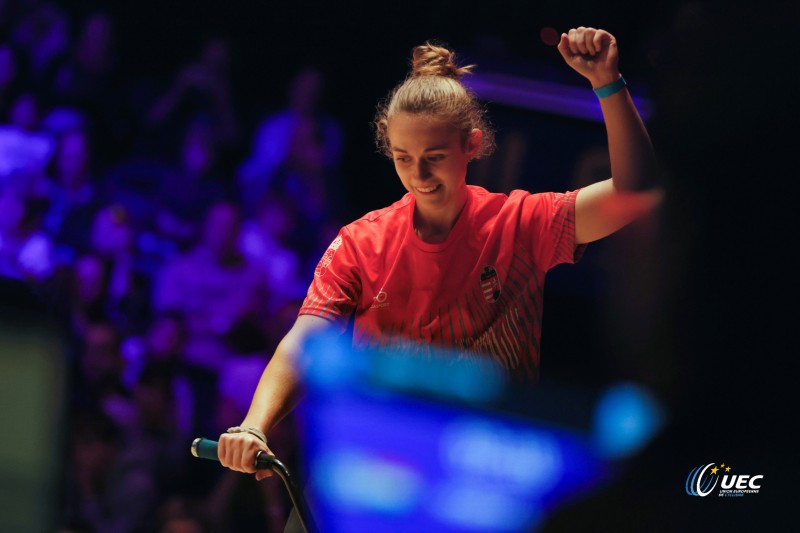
{"points": [[719, 347], [363, 48]]}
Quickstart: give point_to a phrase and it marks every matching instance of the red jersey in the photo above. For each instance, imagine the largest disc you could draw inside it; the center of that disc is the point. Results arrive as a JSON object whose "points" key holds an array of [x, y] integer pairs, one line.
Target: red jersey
{"points": [[480, 291]]}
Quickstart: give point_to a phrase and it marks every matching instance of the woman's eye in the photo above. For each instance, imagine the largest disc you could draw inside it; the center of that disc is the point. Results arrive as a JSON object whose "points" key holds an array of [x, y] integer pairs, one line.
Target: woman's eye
{"points": [[435, 158]]}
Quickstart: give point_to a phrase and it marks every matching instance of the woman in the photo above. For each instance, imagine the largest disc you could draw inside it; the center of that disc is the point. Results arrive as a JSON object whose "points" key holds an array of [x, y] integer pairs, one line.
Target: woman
{"points": [[452, 264]]}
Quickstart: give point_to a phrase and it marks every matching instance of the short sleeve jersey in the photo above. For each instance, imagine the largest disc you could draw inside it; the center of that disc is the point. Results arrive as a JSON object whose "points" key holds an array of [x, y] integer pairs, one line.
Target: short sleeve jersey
{"points": [[479, 292]]}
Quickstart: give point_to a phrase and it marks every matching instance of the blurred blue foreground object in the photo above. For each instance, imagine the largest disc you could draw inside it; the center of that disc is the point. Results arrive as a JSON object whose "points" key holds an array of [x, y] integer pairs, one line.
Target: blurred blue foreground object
{"points": [[442, 442]]}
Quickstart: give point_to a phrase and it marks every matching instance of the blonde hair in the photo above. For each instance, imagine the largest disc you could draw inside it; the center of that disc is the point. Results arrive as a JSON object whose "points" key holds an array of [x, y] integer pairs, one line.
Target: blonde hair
{"points": [[433, 88]]}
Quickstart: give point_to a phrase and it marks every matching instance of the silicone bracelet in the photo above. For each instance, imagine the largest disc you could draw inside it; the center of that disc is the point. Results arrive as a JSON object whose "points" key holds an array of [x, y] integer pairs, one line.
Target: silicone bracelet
{"points": [[612, 88]]}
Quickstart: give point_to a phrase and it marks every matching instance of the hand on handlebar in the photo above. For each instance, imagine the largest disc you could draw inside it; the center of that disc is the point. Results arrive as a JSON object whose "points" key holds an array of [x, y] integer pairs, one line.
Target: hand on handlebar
{"points": [[237, 451]]}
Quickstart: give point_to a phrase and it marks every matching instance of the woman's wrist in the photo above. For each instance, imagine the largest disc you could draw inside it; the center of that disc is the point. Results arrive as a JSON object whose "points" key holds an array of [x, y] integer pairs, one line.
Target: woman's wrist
{"points": [[255, 423], [602, 81], [613, 87], [249, 429]]}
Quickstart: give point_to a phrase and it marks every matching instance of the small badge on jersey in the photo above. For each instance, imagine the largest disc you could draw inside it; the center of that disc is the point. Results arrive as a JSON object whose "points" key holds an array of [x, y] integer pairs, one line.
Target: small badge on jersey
{"points": [[490, 284], [327, 257], [381, 300]]}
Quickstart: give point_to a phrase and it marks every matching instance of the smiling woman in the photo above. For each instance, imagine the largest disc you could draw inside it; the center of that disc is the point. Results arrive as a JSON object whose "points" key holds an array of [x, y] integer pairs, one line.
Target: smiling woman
{"points": [[452, 265], [431, 158], [456, 265]]}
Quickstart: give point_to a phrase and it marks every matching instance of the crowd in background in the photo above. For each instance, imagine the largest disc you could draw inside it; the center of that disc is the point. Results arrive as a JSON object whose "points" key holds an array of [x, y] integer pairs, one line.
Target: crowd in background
{"points": [[176, 259]]}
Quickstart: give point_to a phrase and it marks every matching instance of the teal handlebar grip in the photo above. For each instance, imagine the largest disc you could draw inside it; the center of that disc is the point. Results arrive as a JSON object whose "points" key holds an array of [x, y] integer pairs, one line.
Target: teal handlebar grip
{"points": [[207, 449]]}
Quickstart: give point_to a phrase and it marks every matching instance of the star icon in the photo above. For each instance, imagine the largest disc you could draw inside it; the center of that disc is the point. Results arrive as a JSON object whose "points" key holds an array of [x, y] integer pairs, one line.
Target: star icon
{"points": [[722, 465], [727, 469], [714, 470]]}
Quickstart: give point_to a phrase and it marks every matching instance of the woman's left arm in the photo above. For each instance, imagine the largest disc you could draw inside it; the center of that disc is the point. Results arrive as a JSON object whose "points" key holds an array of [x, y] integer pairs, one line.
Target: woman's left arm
{"points": [[606, 206]]}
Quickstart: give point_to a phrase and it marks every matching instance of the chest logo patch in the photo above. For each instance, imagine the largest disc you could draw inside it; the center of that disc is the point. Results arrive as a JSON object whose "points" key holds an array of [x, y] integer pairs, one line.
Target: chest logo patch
{"points": [[490, 284], [381, 300]]}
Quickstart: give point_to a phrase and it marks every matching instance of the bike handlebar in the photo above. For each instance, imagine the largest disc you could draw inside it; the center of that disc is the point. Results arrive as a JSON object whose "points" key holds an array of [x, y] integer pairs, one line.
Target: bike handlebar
{"points": [[207, 449]]}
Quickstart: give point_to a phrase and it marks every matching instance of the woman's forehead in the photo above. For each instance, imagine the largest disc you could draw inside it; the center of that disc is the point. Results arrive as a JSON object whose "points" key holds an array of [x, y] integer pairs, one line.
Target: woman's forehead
{"points": [[407, 131]]}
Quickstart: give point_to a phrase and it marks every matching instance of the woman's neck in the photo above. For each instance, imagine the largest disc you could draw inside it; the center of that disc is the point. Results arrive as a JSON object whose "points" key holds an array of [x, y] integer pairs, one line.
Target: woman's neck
{"points": [[434, 225]]}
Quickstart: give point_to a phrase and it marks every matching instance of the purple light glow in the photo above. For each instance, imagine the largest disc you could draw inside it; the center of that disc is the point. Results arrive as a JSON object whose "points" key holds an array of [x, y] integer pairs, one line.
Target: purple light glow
{"points": [[546, 96]]}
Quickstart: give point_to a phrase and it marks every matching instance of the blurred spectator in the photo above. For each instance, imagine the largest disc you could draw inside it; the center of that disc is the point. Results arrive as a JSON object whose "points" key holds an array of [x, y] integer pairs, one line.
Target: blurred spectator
{"points": [[60, 120], [168, 199], [25, 113], [133, 184], [162, 344], [88, 81], [190, 188], [152, 396], [109, 490], [26, 252], [72, 194], [112, 235], [87, 74], [24, 149], [201, 87], [100, 367], [296, 151], [43, 34], [88, 293], [165, 338], [215, 287], [157, 436], [267, 240], [113, 238]]}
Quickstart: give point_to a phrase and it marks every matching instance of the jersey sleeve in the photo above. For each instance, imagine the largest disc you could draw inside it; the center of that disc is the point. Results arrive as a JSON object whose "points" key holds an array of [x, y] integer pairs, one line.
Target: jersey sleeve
{"points": [[336, 287], [550, 219]]}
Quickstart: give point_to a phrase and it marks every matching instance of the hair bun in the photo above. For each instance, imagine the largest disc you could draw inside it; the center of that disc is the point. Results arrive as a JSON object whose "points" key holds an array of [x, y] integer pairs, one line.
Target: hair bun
{"points": [[433, 60]]}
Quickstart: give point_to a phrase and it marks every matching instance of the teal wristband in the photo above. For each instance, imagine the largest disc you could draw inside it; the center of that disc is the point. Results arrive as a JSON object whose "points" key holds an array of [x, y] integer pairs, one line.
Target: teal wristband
{"points": [[612, 88]]}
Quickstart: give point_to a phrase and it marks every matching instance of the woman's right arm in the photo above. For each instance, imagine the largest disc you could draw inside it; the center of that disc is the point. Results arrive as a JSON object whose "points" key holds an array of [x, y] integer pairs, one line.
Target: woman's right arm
{"points": [[277, 394]]}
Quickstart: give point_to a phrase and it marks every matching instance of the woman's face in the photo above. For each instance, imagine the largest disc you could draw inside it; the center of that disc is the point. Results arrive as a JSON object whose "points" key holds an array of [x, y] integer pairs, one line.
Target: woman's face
{"points": [[430, 158]]}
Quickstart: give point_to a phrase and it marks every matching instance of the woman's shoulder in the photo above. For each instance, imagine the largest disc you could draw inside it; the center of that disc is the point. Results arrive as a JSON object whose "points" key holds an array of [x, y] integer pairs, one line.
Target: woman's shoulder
{"points": [[375, 228], [483, 194], [493, 204], [389, 214], [485, 201]]}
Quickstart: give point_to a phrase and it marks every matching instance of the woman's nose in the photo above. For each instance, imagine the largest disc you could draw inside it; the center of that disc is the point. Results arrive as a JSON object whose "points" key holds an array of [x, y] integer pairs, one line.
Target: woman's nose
{"points": [[422, 169]]}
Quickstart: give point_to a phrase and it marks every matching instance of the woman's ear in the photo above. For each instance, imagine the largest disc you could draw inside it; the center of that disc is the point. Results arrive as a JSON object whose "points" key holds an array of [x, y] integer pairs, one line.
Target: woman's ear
{"points": [[474, 143]]}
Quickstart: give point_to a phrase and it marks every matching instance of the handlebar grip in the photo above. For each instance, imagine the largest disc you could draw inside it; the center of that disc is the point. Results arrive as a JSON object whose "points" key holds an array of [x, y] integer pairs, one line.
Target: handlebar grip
{"points": [[207, 449]]}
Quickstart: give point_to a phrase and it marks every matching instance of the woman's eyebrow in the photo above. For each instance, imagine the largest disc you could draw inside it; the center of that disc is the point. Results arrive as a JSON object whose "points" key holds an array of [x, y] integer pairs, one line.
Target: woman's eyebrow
{"points": [[431, 149]]}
